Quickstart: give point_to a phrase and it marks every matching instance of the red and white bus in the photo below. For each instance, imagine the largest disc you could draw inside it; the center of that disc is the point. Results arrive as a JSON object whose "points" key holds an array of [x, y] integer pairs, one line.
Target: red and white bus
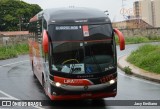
{"points": [[73, 53]]}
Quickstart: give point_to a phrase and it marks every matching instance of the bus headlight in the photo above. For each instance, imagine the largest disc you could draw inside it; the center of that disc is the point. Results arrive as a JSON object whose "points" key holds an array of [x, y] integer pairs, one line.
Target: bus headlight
{"points": [[58, 84], [112, 81]]}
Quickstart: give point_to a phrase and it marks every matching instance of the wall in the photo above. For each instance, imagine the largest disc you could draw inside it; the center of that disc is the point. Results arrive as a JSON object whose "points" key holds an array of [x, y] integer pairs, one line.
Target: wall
{"points": [[15, 39], [148, 32], [130, 24]]}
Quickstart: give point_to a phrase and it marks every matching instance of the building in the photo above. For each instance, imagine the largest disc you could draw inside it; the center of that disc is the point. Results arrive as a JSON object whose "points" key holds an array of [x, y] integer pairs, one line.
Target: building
{"points": [[131, 24], [156, 12], [148, 10], [137, 9], [143, 10], [153, 13]]}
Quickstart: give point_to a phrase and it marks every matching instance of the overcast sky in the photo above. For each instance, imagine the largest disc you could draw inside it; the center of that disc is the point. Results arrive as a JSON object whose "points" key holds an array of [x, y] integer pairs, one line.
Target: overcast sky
{"points": [[113, 6]]}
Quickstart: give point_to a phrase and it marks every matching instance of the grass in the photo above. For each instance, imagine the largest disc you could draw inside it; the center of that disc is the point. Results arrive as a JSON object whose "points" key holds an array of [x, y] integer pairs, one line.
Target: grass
{"points": [[136, 40], [146, 57], [7, 52], [139, 39]]}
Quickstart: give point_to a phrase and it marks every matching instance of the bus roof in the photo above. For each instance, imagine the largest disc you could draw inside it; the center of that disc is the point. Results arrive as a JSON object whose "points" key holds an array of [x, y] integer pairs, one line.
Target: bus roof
{"points": [[73, 15]]}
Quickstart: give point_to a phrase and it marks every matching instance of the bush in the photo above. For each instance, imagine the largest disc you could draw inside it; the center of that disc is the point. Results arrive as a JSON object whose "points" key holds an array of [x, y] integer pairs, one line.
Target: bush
{"points": [[127, 70]]}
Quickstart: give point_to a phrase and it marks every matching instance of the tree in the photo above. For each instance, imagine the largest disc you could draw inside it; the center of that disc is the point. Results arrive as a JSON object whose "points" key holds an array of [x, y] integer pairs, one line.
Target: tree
{"points": [[15, 14]]}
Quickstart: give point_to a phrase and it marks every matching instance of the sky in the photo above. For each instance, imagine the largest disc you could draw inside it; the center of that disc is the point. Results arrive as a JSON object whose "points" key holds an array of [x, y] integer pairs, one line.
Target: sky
{"points": [[116, 8]]}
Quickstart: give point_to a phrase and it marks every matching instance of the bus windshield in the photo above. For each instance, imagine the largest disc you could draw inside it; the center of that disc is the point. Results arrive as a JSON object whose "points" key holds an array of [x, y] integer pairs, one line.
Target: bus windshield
{"points": [[82, 49]]}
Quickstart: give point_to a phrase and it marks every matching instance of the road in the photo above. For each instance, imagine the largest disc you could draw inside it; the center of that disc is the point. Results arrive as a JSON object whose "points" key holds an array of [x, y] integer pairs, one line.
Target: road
{"points": [[18, 83]]}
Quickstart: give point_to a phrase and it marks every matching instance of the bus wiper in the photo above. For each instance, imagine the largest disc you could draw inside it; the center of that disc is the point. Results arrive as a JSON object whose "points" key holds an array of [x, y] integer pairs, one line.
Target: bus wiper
{"points": [[72, 69], [97, 65], [95, 60]]}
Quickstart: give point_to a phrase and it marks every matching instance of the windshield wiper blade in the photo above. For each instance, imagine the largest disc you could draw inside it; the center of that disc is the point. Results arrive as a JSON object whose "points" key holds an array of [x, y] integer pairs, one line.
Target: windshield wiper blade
{"points": [[72, 69], [95, 60], [97, 65]]}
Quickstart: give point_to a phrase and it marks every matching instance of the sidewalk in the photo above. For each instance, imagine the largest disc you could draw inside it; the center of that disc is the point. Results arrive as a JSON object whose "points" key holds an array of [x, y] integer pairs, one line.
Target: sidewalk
{"points": [[137, 71]]}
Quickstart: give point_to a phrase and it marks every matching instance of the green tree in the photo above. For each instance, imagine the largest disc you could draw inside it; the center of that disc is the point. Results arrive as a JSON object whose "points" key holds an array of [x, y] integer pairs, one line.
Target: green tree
{"points": [[15, 14]]}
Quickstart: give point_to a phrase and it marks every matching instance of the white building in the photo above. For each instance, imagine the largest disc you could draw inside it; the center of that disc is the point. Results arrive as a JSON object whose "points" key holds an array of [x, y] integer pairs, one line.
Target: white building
{"points": [[148, 10], [156, 12]]}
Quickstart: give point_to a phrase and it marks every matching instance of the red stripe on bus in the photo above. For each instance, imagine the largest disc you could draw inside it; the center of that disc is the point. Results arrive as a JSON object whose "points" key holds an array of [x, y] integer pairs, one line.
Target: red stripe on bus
{"points": [[85, 40], [73, 82]]}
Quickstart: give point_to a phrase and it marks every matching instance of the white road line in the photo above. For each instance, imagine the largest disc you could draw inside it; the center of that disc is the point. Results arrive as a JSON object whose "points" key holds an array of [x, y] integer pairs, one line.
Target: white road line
{"points": [[13, 98], [5, 98], [138, 79], [9, 96], [13, 63]]}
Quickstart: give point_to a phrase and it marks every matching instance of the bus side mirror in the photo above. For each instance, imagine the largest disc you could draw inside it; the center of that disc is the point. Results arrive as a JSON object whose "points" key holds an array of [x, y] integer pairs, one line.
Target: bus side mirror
{"points": [[45, 41], [121, 39]]}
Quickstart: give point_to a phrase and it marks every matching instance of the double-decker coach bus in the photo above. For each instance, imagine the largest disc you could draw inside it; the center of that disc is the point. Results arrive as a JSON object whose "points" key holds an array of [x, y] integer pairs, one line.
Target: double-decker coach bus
{"points": [[73, 53]]}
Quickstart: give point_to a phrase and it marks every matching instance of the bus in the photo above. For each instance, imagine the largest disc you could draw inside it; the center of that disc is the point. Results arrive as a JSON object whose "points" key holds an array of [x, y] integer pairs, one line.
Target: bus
{"points": [[73, 53]]}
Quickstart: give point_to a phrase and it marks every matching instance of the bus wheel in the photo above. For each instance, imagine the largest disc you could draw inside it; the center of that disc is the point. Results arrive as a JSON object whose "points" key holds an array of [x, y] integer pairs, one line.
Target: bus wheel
{"points": [[44, 84], [33, 70]]}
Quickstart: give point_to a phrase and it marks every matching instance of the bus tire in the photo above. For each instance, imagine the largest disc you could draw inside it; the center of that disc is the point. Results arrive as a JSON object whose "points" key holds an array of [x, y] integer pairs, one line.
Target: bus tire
{"points": [[44, 84], [33, 70]]}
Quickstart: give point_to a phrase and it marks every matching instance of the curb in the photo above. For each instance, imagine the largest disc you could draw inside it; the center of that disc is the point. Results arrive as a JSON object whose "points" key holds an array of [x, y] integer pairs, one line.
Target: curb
{"points": [[138, 72]]}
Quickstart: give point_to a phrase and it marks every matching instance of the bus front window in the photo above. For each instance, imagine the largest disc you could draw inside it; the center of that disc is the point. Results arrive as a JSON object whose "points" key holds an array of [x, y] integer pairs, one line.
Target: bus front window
{"points": [[98, 56], [75, 53], [68, 57]]}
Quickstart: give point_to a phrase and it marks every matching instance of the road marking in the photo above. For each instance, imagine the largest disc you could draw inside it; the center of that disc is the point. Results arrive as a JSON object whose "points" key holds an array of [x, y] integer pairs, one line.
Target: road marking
{"points": [[9, 96], [5, 98], [13, 98], [122, 74], [138, 79], [13, 63]]}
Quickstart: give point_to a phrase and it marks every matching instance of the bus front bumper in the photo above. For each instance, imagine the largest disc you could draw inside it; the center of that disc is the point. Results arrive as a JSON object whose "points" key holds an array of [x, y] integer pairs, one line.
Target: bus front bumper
{"points": [[83, 96], [68, 92]]}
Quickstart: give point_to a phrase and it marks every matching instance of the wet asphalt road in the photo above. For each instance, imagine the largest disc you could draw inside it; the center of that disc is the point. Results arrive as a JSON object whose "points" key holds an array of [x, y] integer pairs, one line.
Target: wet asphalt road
{"points": [[17, 82]]}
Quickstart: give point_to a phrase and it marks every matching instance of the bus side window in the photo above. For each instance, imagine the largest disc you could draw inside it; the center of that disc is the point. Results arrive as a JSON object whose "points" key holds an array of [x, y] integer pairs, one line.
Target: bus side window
{"points": [[46, 57], [37, 28], [31, 31], [45, 27], [45, 24], [36, 31]]}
